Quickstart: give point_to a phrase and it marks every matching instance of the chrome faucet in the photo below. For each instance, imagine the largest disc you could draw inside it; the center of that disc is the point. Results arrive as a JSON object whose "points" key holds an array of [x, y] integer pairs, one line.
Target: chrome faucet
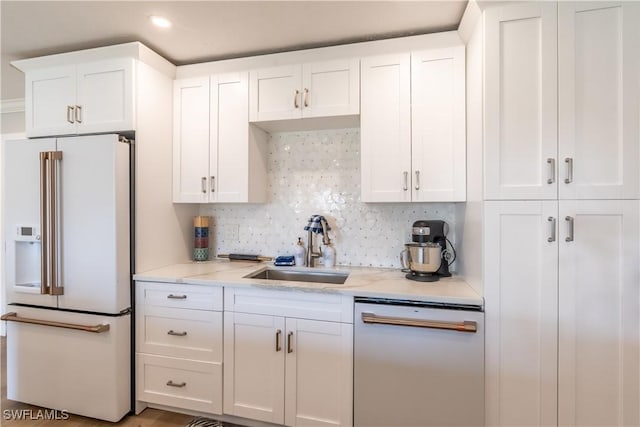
{"points": [[311, 255]]}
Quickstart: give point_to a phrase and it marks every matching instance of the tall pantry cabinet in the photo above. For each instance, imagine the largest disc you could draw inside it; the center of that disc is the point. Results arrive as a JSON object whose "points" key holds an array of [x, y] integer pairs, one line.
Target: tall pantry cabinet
{"points": [[559, 209]]}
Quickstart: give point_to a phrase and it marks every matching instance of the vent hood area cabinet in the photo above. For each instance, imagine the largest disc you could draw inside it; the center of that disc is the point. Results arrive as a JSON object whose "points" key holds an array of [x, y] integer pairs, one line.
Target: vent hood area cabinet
{"points": [[413, 126], [318, 89], [561, 101], [89, 97], [217, 156]]}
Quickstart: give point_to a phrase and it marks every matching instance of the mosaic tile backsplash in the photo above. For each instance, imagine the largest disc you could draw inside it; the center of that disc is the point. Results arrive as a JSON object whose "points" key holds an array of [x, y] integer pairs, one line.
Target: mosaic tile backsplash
{"points": [[319, 173]]}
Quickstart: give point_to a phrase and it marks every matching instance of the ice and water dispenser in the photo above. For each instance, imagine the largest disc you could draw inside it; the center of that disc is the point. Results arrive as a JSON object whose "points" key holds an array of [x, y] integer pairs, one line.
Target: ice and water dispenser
{"points": [[26, 258]]}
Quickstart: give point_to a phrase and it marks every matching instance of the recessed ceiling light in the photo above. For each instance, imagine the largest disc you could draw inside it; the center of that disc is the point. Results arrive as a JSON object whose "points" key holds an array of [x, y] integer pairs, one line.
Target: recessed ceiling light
{"points": [[160, 21]]}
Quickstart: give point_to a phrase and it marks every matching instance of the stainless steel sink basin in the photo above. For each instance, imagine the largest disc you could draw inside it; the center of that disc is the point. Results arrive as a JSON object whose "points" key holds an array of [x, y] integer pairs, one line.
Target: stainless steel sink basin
{"points": [[333, 277]]}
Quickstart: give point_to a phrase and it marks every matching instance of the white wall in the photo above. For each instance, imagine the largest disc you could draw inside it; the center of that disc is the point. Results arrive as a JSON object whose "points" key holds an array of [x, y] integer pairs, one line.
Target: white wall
{"points": [[318, 172], [12, 122]]}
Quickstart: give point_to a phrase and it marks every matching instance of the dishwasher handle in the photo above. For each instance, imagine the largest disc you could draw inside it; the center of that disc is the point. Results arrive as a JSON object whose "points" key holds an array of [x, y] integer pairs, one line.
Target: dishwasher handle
{"points": [[464, 326]]}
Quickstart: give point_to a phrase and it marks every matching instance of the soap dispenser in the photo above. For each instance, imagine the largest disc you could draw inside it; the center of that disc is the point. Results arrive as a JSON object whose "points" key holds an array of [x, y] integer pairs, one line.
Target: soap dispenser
{"points": [[299, 252], [329, 256]]}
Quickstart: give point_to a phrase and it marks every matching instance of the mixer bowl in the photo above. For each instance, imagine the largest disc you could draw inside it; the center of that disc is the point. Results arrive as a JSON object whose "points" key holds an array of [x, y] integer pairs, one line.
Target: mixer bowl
{"points": [[424, 257]]}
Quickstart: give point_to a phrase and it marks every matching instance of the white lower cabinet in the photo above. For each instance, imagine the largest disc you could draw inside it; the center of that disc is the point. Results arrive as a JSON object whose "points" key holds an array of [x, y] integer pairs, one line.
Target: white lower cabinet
{"points": [[179, 346], [287, 370], [562, 305]]}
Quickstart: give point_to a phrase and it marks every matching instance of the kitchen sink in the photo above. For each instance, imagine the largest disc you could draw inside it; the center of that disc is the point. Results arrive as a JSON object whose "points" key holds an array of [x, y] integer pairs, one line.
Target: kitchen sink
{"points": [[334, 277]]}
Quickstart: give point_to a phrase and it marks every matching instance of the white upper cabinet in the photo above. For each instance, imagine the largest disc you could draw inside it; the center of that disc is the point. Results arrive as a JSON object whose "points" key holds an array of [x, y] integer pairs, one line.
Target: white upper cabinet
{"points": [[562, 101], [217, 156], [438, 137], [191, 140], [413, 126], [93, 97], [599, 98], [321, 89], [385, 128], [521, 102]]}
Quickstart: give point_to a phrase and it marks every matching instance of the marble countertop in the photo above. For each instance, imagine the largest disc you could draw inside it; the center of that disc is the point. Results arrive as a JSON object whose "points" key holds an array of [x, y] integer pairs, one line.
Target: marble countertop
{"points": [[362, 281]]}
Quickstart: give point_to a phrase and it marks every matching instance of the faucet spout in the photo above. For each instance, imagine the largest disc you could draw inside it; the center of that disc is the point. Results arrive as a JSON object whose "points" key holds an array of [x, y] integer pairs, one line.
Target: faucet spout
{"points": [[311, 254]]}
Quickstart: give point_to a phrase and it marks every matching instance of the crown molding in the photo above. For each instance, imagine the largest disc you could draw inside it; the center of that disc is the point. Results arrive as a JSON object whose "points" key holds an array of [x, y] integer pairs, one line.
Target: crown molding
{"points": [[15, 105]]}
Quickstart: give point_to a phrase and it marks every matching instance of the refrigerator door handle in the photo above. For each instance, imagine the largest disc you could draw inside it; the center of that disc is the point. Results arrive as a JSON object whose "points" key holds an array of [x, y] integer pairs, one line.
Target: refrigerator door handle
{"points": [[97, 329], [54, 288], [44, 246]]}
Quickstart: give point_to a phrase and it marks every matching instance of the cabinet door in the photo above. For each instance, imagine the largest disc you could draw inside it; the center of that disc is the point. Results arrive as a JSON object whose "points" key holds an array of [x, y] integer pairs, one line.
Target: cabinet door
{"points": [[105, 98], [521, 101], [275, 93], [385, 128], [319, 373], [50, 96], [438, 136], [229, 152], [331, 88], [599, 98], [191, 140], [599, 302], [521, 285], [254, 366]]}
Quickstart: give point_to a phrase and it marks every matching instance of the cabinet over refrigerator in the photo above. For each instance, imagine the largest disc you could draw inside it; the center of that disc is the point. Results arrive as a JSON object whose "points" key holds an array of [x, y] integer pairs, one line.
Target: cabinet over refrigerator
{"points": [[67, 228]]}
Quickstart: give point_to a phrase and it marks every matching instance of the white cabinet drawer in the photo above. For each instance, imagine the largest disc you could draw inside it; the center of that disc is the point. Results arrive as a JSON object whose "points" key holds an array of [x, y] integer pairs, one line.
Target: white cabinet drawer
{"points": [[180, 383], [289, 303], [190, 334], [179, 296]]}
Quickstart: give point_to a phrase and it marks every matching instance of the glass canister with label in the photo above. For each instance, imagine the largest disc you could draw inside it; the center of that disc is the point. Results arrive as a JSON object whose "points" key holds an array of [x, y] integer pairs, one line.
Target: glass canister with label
{"points": [[201, 238]]}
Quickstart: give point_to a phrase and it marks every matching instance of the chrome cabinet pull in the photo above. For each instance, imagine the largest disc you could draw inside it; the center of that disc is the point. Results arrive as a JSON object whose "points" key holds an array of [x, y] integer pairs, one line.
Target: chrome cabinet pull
{"points": [[70, 113], [306, 97], [569, 237], [78, 113], [289, 342], [465, 326], [417, 180], [406, 181], [203, 184], [96, 329], [552, 238], [170, 383], [295, 99], [177, 334], [213, 181], [278, 336], [552, 166], [569, 178], [172, 296]]}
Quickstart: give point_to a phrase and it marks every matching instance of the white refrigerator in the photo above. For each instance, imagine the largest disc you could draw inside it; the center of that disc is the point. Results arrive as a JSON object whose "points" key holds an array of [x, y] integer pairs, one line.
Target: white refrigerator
{"points": [[68, 263]]}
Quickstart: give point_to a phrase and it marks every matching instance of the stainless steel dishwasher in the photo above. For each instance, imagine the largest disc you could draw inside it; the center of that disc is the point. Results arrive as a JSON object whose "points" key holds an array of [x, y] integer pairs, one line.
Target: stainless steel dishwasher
{"points": [[418, 364]]}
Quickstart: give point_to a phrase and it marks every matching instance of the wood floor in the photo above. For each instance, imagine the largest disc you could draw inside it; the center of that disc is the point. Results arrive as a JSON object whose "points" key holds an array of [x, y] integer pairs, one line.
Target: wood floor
{"points": [[148, 418]]}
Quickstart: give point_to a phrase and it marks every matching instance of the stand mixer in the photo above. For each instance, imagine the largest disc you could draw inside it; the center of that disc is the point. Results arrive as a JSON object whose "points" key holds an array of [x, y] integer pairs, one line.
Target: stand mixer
{"points": [[427, 258]]}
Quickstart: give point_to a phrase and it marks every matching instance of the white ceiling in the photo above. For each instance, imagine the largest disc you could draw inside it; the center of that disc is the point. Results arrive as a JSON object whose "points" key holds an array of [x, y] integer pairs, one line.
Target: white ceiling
{"points": [[207, 30]]}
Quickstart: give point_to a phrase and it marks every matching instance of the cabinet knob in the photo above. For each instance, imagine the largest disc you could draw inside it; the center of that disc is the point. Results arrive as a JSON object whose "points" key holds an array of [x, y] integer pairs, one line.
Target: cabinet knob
{"points": [[306, 97], [203, 184], [405, 187], [417, 180]]}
